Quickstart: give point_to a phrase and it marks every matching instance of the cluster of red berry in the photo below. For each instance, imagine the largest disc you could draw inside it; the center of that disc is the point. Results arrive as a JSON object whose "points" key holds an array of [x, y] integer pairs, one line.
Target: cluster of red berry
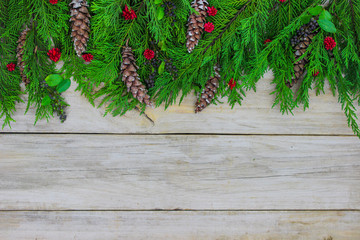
{"points": [[129, 14]]}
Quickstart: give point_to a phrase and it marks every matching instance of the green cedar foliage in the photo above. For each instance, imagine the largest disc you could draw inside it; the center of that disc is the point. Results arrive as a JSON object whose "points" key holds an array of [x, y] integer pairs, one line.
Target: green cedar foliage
{"points": [[236, 44], [9, 81], [47, 23]]}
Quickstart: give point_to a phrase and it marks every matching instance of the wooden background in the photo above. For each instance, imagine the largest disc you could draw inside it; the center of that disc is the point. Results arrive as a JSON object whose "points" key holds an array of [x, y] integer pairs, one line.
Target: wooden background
{"points": [[247, 174]]}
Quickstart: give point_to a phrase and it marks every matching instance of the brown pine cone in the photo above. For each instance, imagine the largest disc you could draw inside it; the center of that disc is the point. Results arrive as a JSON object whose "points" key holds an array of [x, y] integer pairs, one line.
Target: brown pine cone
{"points": [[299, 66], [196, 24], [208, 94], [131, 78], [300, 43], [80, 21], [20, 54]]}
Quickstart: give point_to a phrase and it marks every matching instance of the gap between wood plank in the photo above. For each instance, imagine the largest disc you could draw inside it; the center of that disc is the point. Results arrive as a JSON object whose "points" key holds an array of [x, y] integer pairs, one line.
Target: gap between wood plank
{"points": [[176, 134], [188, 210]]}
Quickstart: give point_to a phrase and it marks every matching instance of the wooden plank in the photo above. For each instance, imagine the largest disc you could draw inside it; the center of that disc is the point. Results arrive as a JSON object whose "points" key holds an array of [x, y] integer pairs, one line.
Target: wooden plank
{"points": [[61, 172], [180, 225], [256, 116]]}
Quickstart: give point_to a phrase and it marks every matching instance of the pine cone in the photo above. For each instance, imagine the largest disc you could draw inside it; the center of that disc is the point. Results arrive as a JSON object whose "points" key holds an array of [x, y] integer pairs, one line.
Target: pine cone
{"points": [[196, 24], [300, 43], [20, 54], [209, 91], [131, 78], [80, 21]]}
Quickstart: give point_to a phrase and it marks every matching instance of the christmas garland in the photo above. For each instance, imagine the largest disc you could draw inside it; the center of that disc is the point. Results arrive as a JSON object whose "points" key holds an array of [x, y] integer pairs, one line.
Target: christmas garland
{"points": [[137, 53]]}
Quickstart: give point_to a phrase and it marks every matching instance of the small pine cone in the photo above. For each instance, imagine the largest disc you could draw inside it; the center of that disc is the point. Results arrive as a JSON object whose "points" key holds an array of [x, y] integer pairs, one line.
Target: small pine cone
{"points": [[300, 43], [20, 55], [131, 78], [80, 21], [299, 66], [196, 24], [208, 94]]}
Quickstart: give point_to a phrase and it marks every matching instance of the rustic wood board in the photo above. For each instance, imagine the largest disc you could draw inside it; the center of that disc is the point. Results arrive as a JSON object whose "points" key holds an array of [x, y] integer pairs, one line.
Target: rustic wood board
{"points": [[223, 225], [255, 116], [128, 172]]}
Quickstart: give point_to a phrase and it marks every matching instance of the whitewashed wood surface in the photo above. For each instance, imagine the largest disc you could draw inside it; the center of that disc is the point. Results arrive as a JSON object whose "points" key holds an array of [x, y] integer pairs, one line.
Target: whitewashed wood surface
{"points": [[216, 225], [129, 172], [245, 174]]}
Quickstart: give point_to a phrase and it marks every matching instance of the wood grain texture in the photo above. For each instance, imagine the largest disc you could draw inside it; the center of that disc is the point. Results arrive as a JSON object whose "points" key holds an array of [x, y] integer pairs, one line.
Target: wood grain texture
{"points": [[255, 116], [180, 225], [124, 172]]}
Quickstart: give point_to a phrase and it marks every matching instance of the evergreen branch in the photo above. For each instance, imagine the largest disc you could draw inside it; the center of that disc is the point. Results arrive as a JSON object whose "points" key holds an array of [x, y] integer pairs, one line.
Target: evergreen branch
{"points": [[124, 37], [353, 21], [227, 26], [274, 7], [127, 33]]}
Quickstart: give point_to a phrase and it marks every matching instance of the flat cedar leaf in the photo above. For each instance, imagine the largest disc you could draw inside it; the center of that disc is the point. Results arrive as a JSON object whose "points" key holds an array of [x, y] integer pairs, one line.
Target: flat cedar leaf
{"points": [[306, 19], [316, 10], [206, 60], [327, 26], [325, 15], [162, 45], [160, 12], [161, 67], [158, 1], [63, 86], [46, 101], [53, 79]]}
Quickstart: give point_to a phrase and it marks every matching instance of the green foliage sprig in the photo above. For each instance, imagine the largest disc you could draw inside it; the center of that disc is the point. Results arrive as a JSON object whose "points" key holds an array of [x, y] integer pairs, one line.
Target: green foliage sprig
{"points": [[9, 81]]}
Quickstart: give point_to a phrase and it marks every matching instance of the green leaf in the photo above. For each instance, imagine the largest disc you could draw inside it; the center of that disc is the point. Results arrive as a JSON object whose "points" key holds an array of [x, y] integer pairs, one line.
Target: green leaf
{"points": [[161, 67], [160, 12], [327, 26], [306, 19], [316, 10], [46, 101], [325, 15], [53, 79], [158, 1], [63, 86]]}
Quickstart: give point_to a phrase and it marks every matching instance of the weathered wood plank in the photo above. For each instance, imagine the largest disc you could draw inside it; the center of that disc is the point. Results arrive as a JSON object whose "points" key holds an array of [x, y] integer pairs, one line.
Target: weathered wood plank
{"points": [[180, 225], [255, 117], [57, 172]]}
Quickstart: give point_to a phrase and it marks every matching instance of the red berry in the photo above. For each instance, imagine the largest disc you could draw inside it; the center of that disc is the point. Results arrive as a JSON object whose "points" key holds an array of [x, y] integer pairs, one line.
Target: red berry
{"points": [[149, 54], [329, 43], [54, 54], [232, 83], [53, 1], [87, 57], [209, 27], [129, 14], [212, 11], [267, 41], [316, 73], [11, 67], [282, 0]]}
